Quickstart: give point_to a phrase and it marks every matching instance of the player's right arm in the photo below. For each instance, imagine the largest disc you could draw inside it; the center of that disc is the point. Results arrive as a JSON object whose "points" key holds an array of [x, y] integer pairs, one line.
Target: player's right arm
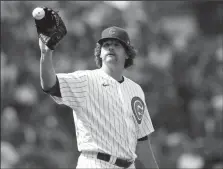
{"points": [[65, 88], [47, 71]]}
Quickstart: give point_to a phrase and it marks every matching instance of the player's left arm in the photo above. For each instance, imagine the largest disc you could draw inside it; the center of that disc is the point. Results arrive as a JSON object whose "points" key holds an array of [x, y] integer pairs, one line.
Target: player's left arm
{"points": [[145, 153]]}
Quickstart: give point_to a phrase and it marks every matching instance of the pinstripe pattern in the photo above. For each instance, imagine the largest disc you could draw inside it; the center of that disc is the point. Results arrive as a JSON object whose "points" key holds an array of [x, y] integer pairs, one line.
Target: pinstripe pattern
{"points": [[102, 112]]}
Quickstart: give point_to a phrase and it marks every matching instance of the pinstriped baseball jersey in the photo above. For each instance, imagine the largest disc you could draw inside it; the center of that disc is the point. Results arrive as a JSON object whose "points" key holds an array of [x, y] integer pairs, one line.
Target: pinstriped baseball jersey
{"points": [[109, 116]]}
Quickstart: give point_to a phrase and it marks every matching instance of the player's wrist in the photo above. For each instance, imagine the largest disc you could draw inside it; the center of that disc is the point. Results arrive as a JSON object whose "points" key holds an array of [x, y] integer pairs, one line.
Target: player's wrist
{"points": [[46, 52]]}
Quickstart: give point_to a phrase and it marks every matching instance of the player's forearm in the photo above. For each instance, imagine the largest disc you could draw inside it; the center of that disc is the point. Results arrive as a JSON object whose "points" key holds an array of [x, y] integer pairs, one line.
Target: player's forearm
{"points": [[145, 155], [47, 72]]}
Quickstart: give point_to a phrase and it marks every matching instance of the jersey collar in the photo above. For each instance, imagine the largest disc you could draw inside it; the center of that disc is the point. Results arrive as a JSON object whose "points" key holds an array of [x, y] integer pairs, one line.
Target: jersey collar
{"points": [[104, 74]]}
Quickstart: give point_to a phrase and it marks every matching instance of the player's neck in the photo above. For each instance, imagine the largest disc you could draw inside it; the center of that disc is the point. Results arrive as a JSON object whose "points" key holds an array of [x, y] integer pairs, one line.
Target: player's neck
{"points": [[115, 73]]}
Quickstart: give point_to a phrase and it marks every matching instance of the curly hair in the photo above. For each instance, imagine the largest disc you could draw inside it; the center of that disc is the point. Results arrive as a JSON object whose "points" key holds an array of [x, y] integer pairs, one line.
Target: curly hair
{"points": [[130, 50]]}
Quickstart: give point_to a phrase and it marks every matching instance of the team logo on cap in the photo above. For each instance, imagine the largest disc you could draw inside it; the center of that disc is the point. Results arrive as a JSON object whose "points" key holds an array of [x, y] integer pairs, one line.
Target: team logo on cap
{"points": [[112, 31], [138, 108]]}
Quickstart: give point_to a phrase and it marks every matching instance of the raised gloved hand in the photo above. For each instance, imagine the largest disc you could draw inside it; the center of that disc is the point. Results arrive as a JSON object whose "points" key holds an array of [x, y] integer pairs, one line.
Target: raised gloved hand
{"points": [[50, 27]]}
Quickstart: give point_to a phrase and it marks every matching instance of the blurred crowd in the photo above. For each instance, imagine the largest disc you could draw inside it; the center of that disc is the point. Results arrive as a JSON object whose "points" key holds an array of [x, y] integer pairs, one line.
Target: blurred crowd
{"points": [[179, 66]]}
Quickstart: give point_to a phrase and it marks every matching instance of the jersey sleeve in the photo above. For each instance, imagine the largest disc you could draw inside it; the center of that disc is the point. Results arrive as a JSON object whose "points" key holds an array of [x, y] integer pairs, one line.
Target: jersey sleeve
{"points": [[73, 88], [146, 126]]}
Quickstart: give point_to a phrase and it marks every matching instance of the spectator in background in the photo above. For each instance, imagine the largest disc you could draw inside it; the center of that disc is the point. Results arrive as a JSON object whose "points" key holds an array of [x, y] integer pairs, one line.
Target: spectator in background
{"points": [[9, 155], [35, 160]]}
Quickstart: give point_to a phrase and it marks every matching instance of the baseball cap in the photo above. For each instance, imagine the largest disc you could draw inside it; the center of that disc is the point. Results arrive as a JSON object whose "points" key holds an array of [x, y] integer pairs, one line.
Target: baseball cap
{"points": [[115, 33]]}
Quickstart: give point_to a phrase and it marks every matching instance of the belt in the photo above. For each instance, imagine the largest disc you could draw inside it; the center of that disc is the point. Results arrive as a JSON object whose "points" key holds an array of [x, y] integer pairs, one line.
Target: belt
{"points": [[119, 162]]}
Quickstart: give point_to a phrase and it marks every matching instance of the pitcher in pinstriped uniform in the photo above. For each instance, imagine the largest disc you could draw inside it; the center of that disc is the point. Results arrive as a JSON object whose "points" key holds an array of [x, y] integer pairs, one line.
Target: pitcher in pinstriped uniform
{"points": [[110, 113]]}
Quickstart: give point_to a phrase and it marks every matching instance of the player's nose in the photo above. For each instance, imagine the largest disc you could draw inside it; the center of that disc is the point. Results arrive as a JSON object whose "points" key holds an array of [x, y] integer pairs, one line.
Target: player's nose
{"points": [[111, 47]]}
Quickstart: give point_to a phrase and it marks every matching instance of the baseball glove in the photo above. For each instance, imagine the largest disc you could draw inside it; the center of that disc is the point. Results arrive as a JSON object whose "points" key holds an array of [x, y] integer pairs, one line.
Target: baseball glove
{"points": [[51, 29]]}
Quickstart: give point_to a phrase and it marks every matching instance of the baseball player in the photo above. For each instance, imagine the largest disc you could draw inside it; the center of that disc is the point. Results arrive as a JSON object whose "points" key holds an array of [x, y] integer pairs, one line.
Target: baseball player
{"points": [[110, 114]]}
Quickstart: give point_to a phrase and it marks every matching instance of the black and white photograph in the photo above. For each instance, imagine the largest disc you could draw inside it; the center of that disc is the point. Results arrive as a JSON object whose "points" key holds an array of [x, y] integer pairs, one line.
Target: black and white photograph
{"points": [[112, 84]]}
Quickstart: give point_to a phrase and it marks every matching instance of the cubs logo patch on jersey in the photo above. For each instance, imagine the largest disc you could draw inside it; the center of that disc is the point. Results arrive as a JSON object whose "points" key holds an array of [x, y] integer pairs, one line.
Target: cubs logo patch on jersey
{"points": [[138, 108]]}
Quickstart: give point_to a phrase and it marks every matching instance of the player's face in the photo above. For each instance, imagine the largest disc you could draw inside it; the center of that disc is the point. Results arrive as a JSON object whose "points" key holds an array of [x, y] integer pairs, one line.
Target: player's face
{"points": [[112, 52]]}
